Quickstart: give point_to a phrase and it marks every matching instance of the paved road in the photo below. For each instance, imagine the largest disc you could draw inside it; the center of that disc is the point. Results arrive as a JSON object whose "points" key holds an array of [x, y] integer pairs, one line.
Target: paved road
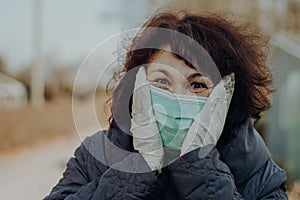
{"points": [[30, 174]]}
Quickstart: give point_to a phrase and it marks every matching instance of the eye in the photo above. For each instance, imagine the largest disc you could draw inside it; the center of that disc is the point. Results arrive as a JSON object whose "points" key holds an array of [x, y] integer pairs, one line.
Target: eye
{"points": [[197, 85], [162, 81]]}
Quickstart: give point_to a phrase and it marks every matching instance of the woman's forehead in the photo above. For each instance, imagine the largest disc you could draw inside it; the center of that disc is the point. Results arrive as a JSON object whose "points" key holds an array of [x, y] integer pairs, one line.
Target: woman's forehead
{"points": [[166, 59]]}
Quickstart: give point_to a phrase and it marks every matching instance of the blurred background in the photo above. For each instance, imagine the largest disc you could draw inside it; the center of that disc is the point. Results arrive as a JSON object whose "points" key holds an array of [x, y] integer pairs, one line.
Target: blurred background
{"points": [[44, 42]]}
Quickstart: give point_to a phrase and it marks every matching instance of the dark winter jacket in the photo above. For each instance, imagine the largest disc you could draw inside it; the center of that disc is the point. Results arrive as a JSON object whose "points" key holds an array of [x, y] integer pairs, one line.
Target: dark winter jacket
{"points": [[237, 168]]}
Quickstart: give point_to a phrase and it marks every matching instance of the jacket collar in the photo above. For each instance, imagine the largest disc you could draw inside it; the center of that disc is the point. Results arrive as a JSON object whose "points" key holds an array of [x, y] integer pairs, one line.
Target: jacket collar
{"points": [[119, 137]]}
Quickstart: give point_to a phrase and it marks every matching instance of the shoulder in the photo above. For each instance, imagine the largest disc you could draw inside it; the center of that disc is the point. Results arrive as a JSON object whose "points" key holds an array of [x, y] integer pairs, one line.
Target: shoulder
{"points": [[101, 148], [269, 182], [272, 177], [245, 153], [85, 155], [89, 144], [95, 137], [250, 162]]}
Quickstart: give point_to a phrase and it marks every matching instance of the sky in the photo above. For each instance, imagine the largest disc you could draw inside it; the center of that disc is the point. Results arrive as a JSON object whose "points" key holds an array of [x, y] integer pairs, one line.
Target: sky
{"points": [[70, 28]]}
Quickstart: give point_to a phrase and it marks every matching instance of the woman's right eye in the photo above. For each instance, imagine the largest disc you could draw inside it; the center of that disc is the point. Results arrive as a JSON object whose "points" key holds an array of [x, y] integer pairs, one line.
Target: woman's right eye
{"points": [[162, 81]]}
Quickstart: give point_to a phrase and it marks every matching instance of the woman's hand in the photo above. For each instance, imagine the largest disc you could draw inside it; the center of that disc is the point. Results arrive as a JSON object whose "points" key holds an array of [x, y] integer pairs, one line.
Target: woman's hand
{"points": [[208, 124], [146, 137]]}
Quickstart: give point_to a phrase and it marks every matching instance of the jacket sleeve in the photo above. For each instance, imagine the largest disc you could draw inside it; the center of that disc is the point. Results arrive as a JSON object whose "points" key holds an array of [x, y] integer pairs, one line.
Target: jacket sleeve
{"points": [[129, 185], [85, 178], [201, 174]]}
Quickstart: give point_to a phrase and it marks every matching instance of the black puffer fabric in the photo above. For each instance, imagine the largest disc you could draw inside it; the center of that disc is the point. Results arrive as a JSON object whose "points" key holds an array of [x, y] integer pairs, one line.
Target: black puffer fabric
{"points": [[105, 166]]}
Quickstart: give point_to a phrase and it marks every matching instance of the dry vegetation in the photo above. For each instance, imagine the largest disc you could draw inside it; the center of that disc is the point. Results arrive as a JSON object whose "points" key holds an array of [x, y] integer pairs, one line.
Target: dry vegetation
{"points": [[27, 125]]}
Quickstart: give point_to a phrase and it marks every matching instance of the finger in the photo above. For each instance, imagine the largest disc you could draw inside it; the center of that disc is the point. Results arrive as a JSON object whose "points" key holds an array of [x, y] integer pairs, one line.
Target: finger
{"points": [[141, 106], [146, 137], [215, 109], [222, 92]]}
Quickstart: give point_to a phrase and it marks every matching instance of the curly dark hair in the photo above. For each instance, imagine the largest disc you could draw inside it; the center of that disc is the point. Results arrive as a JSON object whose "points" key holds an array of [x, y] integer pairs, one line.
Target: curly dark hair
{"points": [[233, 46]]}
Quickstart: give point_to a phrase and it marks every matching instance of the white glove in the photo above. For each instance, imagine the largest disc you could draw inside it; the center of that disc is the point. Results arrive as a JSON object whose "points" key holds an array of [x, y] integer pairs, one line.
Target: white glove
{"points": [[146, 137], [209, 122]]}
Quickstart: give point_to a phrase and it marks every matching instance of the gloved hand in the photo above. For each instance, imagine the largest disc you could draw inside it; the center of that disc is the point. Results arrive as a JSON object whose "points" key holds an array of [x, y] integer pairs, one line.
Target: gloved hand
{"points": [[209, 122], [146, 137]]}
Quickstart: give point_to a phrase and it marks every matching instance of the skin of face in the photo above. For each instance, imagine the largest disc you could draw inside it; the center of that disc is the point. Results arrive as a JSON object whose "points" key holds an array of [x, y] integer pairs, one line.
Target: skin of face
{"points": [[170, 73]]}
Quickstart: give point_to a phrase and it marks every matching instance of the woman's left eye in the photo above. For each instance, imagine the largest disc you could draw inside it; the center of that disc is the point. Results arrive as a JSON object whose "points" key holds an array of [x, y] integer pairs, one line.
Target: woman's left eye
{"points": [[196, 85]]}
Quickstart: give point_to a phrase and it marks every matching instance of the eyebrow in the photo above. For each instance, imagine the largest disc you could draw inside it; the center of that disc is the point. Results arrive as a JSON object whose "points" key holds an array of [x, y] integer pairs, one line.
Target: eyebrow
{"points": [[193, 76], [162, 71]]}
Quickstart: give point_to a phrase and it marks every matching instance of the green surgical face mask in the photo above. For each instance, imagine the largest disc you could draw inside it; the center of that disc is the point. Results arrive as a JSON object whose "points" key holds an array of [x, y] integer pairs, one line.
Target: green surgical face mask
{"points": [[174, 114]]}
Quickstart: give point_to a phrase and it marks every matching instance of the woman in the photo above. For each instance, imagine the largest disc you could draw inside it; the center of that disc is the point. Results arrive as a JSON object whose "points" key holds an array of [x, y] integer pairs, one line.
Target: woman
{"points": [[182, 118]]}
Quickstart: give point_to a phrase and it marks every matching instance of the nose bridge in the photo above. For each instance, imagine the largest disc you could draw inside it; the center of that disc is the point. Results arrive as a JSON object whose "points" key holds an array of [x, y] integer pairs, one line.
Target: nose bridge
{"points": [[179, 85], [179, 82], [179, 89]]}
